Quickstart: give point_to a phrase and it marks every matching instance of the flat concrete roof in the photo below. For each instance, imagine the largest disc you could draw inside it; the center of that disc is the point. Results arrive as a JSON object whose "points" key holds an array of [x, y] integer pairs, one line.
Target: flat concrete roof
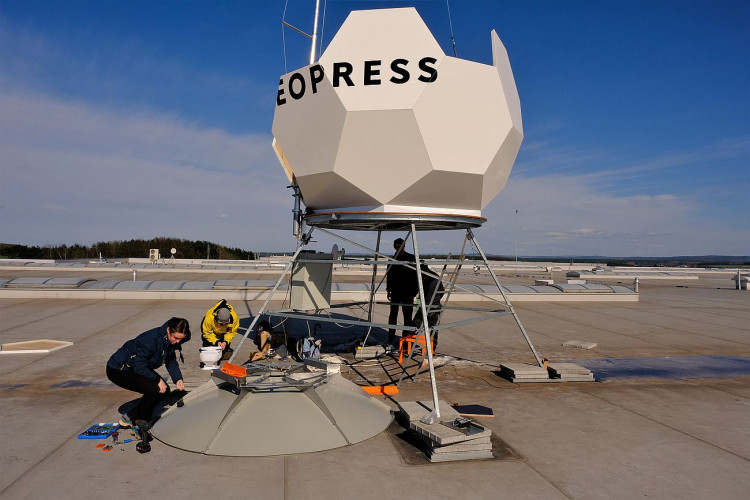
{"points": [[661, 430]]}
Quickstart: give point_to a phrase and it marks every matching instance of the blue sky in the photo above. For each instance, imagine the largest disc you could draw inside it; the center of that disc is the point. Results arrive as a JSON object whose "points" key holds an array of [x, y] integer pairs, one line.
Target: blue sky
{"points": [[122, 119]]}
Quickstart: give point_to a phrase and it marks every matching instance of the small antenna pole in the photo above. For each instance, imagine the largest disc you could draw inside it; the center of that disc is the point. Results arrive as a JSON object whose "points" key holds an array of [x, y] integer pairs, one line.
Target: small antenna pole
{"points": [[315, 32], [450, 22]]}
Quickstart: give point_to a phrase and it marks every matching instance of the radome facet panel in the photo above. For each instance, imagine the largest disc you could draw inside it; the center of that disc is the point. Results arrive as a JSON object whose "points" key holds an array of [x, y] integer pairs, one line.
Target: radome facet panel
{"points": [[386, 122]]}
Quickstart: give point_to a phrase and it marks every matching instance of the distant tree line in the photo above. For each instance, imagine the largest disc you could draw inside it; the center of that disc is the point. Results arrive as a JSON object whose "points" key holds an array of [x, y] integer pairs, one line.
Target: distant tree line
{"points": [[186, 249], [697, 261]]}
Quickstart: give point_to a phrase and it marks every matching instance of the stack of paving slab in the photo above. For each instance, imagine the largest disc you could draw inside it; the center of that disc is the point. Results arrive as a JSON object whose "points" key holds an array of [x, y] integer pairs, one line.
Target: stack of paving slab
{"points": [[444, 441], [579, 344], [369, 352], [555, 372], [523, 372], [570, 372]]}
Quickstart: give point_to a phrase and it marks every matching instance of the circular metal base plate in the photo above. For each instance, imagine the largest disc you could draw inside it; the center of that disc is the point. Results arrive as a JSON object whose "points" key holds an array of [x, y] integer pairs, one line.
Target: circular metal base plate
{"points": [[388, 221]]}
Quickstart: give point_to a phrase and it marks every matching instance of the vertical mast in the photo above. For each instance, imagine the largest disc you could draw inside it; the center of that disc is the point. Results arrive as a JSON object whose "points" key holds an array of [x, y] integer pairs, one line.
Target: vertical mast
{"points": [[297, 211], [315, 32]]}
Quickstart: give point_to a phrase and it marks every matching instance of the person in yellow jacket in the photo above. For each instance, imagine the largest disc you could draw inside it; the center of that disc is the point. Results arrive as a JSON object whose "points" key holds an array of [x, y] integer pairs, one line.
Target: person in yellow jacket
{"points": [[219, 327]]}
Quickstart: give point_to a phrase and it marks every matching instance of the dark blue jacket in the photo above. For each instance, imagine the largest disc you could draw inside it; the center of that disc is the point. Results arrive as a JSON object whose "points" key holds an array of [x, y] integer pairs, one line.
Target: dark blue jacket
{"points": [[147, 352]]}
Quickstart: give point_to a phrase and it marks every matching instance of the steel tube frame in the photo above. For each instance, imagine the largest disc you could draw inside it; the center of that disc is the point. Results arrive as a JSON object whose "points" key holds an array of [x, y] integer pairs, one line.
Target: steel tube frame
{"points": [[268, 299], [505, 297], [428, 330], [426, 325]]}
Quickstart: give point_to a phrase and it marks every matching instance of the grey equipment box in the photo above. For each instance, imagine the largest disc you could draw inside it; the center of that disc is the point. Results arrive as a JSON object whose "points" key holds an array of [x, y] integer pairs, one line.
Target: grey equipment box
{"points": [[311, 282]]}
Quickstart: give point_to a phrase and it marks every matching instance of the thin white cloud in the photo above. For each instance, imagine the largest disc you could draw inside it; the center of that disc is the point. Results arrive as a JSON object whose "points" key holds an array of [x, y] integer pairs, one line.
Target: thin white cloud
{"points": [[546, 158], [125, 72], [560, 215], [73, 173], [721, 150], [549, 158]]}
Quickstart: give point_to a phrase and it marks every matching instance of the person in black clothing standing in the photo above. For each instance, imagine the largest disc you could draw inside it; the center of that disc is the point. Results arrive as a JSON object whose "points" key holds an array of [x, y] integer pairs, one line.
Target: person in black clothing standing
{"points": [[402, 287]]}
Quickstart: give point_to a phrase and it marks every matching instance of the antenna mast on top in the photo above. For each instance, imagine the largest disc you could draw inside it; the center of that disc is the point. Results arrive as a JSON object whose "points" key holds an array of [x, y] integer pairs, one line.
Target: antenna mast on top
{"points": [[315, 32], [450, 22], [313, 37], [297, 223]]}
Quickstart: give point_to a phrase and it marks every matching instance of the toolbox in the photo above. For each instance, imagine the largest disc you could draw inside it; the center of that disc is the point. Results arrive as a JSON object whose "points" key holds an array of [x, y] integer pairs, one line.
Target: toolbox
{"points": [[99, 431]]}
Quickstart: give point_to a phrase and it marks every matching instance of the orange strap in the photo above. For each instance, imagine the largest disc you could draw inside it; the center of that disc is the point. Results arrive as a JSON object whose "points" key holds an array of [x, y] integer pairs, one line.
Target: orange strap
{"points": [[380, 389], [234, 370]]}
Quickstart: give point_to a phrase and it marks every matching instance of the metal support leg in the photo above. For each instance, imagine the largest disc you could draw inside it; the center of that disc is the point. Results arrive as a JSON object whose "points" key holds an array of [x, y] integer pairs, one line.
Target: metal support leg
{"points": [[456, 270], [431, 305], [505, 297], [426, 325], [377, 255], [372, 282], [372, 289]]}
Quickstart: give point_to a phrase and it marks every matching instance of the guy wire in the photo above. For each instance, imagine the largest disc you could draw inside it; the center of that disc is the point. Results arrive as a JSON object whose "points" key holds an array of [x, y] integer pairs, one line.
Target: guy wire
{"points": [[450, 23]]}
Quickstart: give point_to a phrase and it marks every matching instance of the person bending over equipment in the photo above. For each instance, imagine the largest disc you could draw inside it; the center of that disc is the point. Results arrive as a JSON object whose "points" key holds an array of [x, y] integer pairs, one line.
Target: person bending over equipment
{"points": [[133, 366], [269, 343], [219, 327]]}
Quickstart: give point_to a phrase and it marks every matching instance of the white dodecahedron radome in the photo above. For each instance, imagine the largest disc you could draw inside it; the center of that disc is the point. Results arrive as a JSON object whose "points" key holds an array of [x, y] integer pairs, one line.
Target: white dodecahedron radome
{"points": [[386, 122]]}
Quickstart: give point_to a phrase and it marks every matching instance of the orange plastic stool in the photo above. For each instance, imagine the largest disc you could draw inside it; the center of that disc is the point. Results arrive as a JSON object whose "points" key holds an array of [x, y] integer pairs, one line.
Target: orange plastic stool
{"points": [[409, 340]]}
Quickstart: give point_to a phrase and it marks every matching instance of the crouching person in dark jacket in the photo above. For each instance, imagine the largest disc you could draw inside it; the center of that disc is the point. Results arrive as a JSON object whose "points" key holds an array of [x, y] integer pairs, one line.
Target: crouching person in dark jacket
{"points": [[133, 366]]}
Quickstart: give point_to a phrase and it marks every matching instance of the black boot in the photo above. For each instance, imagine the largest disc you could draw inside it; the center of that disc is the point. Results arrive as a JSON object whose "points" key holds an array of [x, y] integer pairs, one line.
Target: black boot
{"points": [[141, 429]]}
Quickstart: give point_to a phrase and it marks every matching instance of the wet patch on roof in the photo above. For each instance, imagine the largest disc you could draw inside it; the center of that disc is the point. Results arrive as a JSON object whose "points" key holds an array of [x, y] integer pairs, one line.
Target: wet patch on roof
{"points": [[672, 368], [81, 383], [12, 386]]}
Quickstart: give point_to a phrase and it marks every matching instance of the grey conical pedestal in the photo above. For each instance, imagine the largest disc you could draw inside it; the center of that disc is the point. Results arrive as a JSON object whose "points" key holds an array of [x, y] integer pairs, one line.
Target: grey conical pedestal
{"points": [[272, 413]]}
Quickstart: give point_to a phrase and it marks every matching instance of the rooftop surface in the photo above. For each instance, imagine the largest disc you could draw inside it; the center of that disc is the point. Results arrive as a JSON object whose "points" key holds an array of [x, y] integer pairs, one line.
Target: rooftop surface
{"points": [[668, 417]]}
